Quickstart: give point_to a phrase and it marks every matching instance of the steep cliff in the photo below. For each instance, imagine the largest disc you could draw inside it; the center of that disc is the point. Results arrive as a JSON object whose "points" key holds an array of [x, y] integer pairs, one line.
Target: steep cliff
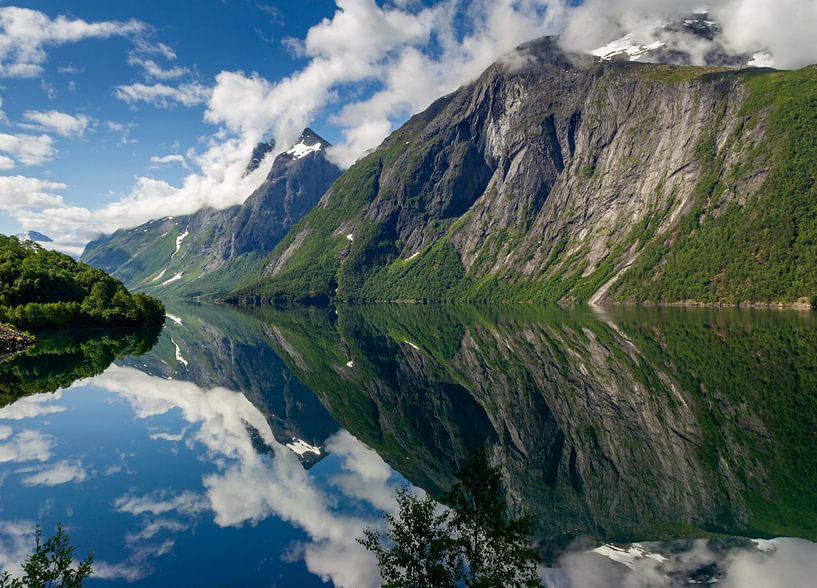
{"points": [[558, 177], [212, 251]]}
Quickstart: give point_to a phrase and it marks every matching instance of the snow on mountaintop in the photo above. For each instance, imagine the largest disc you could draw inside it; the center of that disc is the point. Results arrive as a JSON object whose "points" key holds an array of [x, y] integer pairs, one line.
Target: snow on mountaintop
{"points": [[626, 45], [695, 40], [301, 149]]}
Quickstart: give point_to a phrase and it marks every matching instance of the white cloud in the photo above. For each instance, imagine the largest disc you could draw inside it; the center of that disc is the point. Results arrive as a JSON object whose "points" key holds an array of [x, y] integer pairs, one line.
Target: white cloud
{"points": [[16, 542], [53, 121], [25, 33], [154, 70], [6, 163], [27, 445], [32, 406], [792, 562], [56, 474], [169, 159], [20, 195], [161, 503], [162, 95], [153, 48], [28, 149]]}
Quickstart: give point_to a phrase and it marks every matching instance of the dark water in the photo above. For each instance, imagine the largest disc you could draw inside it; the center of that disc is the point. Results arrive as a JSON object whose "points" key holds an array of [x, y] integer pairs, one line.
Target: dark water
{"points": [[651, 447]]}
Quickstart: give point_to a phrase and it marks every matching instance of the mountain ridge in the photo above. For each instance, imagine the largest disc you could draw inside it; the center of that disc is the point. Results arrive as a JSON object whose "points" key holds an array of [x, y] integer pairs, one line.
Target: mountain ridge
{"points": [[558, 178], [212, 250]]}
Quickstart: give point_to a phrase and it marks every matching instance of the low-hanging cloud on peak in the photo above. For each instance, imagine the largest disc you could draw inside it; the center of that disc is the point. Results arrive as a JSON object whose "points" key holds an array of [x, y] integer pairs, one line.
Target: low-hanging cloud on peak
{"points": [[781, 28]]}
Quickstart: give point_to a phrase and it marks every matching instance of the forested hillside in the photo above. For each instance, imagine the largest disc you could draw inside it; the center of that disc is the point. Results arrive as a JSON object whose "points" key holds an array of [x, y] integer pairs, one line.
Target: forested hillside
{"points": [[42, 289]]}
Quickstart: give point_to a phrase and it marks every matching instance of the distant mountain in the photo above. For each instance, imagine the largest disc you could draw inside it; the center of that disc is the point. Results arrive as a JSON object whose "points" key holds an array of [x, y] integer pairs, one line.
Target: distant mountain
{"points": [[558, 177], [212, 251], [694, 40], [34, 236]]}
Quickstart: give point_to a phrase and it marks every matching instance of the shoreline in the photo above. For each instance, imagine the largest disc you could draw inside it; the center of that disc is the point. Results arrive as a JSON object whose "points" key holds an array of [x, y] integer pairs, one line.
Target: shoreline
{"points": [[13, 341]]}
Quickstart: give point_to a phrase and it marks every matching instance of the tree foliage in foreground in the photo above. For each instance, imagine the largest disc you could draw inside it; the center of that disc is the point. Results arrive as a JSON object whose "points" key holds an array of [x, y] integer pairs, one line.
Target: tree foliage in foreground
{"points": [[475, 543], [51, 565]]}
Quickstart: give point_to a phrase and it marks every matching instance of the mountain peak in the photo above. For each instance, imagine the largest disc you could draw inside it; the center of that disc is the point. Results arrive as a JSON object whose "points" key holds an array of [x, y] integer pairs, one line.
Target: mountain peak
{"points": [[695, 39], [309, 142], [258, 155]]}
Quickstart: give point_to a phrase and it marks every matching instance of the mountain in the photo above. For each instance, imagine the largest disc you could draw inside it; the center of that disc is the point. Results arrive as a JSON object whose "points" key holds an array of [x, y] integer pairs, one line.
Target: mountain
{"points": [[560, 177], [213, 250], [694, 40], [34, 236]]}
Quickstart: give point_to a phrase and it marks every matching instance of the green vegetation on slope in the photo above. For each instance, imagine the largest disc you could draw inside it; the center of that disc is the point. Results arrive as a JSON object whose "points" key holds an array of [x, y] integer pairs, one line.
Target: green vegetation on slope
{"points": [[749, 234], [42, 289], [764, 250]]}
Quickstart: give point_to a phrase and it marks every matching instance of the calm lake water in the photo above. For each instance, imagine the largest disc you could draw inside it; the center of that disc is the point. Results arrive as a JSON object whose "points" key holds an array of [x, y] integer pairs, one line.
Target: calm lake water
{"points": [[250, 448]]}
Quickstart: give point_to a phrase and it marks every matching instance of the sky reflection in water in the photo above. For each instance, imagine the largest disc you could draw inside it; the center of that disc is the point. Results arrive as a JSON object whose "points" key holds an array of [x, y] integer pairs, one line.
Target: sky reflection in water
{"points": [[165, 482]]}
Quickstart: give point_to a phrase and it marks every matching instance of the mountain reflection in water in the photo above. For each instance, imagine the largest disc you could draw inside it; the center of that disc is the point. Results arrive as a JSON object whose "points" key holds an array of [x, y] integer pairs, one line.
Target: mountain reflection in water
{"points": [[684, 430]]}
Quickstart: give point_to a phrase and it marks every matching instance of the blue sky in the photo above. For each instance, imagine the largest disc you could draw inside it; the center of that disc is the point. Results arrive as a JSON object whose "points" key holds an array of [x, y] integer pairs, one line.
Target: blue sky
{"points": [[80, 79], [115, 113]]}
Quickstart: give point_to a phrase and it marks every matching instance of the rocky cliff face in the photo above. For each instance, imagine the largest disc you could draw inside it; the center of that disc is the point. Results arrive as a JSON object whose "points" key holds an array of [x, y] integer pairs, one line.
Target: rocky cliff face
{"points": [[214, 250], [550, 177]]}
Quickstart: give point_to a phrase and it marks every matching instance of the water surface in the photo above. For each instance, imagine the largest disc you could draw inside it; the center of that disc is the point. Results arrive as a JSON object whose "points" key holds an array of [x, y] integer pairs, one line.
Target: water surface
{"points": [[252, 447]]}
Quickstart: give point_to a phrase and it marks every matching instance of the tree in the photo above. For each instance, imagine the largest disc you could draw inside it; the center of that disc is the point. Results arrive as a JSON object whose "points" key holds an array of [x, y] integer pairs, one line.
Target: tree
{"points": [[419, 551], [475, 543], [495, 550], [51, 565]]}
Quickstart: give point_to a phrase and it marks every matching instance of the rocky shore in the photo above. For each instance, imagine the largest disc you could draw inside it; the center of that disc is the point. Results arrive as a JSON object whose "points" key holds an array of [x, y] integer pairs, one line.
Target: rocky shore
{"points": [[12, 341]]}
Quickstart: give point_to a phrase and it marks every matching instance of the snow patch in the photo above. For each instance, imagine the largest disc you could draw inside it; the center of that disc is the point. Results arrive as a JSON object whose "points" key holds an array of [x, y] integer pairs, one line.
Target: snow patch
{"points": [[179, 240], [179, 357], [412, 344], [412, 256], [350, 236], [301, 447], [350, 364], [175, 278], [160, 276], [302, 150], [764, 544], [627, 556], [174, 318], [625, 45]]}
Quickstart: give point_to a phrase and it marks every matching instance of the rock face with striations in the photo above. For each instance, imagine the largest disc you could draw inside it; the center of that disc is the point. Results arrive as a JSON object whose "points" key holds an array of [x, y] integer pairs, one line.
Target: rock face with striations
{"points": [[558, 177], [214, 250]]}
